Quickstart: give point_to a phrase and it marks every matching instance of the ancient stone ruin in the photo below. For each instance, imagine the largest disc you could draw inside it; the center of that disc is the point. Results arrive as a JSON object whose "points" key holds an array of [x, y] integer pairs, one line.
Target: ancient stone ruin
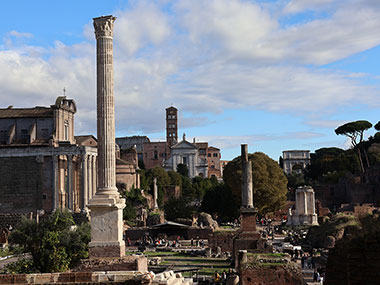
{"points": [[305, 208], [106, 206]]}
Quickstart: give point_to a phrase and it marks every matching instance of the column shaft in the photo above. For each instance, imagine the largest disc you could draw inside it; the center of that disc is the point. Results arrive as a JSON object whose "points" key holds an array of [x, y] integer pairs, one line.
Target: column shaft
{"points": [[84, 181]]}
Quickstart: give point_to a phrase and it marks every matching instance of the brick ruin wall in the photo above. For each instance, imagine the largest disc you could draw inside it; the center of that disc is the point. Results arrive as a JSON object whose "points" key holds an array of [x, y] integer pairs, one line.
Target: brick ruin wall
{"points": [[361, 189], [23, 182], [271, 275], [224, 240]]}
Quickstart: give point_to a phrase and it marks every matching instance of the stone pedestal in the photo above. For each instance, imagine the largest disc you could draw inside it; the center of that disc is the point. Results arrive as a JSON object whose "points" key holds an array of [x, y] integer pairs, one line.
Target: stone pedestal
{"points": [[106, 227]]}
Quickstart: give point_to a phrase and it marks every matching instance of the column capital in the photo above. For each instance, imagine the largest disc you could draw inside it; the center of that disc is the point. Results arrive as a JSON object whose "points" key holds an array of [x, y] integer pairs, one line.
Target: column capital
{"points": [[104, 26]]}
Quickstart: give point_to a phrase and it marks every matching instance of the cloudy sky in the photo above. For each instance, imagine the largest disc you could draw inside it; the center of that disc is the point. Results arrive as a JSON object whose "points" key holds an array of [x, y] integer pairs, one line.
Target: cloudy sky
{"points": [[276, 74]]}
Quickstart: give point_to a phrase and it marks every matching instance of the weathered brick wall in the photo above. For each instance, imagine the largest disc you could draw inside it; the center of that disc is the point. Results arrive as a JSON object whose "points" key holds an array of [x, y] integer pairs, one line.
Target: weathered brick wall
{"points": [[23, 182], [127, 263], [132, 278], [363, 188], [272, 275], [148, 151], [355, 262], [222, 239]]}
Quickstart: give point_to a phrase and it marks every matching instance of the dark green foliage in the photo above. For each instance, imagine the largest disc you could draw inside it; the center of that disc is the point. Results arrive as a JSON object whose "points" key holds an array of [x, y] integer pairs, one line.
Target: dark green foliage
{"points": [[178, 209], [269, 182], [163, 181], [56, 243], [175, 178], [133, 199], [377, 126], [21, 266], [330, 164], [183, 170], [202, 185], [354, 130], [220, 200]]}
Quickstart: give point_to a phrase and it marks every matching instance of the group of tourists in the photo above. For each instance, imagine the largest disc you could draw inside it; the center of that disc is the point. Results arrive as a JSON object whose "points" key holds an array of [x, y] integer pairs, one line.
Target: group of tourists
{"points": [[220, 279]]}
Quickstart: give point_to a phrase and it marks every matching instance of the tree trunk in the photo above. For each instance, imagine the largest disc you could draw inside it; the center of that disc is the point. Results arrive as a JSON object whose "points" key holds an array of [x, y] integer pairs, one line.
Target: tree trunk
{"points": [[366, 157], [361, 161]]}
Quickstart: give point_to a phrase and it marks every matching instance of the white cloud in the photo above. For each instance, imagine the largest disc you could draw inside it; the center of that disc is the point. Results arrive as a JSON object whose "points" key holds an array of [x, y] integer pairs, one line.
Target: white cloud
{"points": [[202, 57], [296, 6], [143, 25], [20, 35]]}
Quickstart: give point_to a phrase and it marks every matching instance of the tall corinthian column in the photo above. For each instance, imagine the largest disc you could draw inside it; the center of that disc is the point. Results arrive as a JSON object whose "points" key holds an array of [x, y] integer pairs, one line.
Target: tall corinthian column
{"points": [[106, 206], [105, 106]]}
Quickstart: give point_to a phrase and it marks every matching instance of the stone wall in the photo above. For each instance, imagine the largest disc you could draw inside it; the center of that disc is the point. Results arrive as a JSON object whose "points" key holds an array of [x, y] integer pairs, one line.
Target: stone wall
{"points": [[130, 277], [356, 261], [189, 233], [25, 184], [127, 263], [222, 239], [361, 188], [271, 275]]}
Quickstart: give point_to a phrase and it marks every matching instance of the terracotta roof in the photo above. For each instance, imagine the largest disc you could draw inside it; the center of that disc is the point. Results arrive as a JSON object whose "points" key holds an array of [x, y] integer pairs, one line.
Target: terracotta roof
{"points": [[213, 148], [26, 112], [81, 139]]}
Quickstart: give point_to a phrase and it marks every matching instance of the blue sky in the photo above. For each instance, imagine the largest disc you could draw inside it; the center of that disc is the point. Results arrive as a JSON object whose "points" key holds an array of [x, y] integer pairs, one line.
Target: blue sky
{"points": [[277, 75]]}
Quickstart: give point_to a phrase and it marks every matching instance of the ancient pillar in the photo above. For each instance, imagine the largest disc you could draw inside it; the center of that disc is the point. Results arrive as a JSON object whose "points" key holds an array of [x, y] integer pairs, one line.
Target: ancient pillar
{"points": [[106, 206], [70, 191], [84, 182], [155, 193], [55, 182], [89, 177], [94, 175], [247, 186]]}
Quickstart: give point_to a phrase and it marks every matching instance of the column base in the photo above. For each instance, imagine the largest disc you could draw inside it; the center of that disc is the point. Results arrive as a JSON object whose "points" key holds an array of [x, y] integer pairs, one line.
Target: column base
{"points": [[106, 227], [106, 249]]}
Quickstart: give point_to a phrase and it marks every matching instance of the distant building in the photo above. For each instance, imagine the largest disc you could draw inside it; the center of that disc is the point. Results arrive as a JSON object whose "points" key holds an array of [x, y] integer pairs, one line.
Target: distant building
{"points": [[223, 163], [126, 143], [295, 160], [154, 154], [41, 165], [213, 162], [171, 126], [187, 153]]}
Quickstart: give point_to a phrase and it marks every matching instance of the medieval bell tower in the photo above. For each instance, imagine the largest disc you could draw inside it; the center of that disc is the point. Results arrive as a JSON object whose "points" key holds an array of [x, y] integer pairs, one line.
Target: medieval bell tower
{"points": [[171, 126]]}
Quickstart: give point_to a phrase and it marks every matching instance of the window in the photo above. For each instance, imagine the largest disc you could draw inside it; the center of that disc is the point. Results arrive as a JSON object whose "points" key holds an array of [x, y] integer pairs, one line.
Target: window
{"points": [[209, 155], [155, 154], [24, 134], [44, 196], [3, 135], [212, 166], [184, 160], [45, 133], [215, 154], [66, 131]]}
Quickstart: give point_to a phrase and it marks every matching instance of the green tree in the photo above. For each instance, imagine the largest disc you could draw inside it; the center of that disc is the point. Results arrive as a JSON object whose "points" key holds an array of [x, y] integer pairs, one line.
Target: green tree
{"points": [[55, 244], [163, 181], [178, 208], [133, 199], [175, 178], [269, 182], [329, 164], [220, 199], [355, 131], [183, 170], [377, 126]]}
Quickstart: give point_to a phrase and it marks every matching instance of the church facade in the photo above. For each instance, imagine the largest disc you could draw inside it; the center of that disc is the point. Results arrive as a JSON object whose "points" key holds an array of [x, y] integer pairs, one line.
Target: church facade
{"points": [[187, 153]]}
